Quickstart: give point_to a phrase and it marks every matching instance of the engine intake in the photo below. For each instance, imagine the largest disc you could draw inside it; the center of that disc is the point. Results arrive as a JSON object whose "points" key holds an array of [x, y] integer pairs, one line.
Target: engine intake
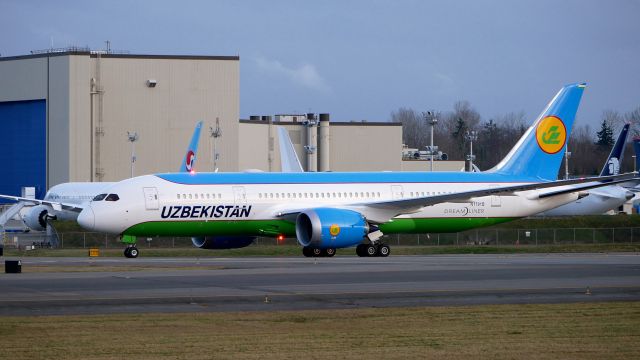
{"points": [[36, 218], [330, 228]]}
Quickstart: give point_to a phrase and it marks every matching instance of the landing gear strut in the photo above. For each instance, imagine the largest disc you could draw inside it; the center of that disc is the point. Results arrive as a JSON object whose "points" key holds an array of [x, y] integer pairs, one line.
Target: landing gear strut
{"points": [[370, 250], [308, 251], [131, 252]]}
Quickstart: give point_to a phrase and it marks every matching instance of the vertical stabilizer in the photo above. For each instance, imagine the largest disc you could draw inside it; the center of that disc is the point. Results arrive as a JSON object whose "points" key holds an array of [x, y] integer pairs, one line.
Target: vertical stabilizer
{"points": [[289, 161], [539, 152], [612, 166], [188, 164]]}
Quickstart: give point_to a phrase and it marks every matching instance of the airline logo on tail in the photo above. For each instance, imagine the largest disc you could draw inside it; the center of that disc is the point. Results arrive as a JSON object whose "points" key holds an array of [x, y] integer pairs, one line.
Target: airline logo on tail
{"points": [[189, 163], [551, 134]]}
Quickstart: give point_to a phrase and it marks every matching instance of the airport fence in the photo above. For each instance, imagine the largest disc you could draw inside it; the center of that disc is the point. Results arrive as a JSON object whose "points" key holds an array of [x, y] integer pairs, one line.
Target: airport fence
{"points": [[478, 237]]}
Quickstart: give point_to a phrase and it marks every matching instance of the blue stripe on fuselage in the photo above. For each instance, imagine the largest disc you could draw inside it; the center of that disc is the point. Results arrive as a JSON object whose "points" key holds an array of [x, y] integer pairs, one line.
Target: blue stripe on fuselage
{"points": [[341, 178]]}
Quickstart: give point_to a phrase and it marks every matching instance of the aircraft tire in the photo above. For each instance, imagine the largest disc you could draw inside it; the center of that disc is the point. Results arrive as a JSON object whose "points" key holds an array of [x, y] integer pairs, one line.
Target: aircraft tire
{"points": [[383, 250], [329, 252], [360, 250], [133, 252], [317, 252], [306, 251], [127, 253], [371, 250]]}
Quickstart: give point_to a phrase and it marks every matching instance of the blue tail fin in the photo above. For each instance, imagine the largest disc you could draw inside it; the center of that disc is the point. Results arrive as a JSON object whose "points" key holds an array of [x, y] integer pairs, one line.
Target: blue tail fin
{"points": [[188, 164], [539, 151], [612, 166]]}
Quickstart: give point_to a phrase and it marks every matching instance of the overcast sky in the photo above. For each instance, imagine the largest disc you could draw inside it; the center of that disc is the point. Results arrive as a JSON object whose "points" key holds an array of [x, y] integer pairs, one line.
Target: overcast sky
{"points": [[364, 59]]}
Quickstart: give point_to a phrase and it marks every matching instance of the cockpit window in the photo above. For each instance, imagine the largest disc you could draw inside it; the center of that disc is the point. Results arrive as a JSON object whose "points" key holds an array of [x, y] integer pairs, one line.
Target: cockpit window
{"points": [[112, 197], [99, 197]]}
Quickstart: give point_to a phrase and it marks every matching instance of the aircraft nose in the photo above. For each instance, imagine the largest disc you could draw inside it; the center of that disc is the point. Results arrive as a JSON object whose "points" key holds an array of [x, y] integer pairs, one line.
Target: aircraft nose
{"points": [[86, 218]]}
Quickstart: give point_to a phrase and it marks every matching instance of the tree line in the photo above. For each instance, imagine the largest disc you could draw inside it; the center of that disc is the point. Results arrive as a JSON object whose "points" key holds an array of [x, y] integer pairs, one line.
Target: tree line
{"points": [[497, 135]]}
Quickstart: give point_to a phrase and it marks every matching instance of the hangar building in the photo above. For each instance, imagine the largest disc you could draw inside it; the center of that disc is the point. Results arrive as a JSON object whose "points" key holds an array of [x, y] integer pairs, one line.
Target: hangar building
{"points": [[322, 144], [65, 115]]}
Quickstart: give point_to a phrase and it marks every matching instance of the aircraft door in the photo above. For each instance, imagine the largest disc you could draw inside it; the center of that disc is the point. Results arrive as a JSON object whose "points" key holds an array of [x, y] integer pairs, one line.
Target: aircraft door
{"points": [[239, 195], [496, 201], [151, 198], [396, 192]]}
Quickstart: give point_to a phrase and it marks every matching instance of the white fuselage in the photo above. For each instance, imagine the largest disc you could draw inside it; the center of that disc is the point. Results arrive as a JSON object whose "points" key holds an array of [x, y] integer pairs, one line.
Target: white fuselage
{"points": [[149, 198], [73, 193]]}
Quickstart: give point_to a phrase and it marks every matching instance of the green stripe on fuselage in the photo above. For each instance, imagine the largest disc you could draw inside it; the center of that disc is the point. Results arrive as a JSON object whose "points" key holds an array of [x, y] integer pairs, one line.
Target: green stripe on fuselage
{"points": [[276, 227], [438, 225]]}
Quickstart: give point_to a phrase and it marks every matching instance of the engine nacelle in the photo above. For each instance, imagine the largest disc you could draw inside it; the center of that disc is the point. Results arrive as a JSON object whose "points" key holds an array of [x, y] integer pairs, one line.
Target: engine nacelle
{"points": [[36, 218], [222, 242], [330, 228]]}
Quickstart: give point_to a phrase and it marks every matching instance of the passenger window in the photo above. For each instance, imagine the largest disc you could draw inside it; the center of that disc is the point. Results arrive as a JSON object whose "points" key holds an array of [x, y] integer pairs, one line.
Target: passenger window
{"points": [[112, 197], [99, 197]]}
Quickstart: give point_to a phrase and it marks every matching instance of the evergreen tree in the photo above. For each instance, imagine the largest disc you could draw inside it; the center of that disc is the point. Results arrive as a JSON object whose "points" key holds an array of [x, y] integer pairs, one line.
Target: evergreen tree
{"points": [[605, 135]]}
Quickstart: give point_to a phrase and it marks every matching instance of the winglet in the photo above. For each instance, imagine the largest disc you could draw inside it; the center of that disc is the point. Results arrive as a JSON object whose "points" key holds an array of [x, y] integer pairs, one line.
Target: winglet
{"points": [[188, 164]]}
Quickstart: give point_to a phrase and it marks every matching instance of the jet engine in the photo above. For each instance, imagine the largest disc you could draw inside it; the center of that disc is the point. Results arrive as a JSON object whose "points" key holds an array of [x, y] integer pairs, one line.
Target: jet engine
{"points": [[222, 242], [36, 218], [330, 228]]}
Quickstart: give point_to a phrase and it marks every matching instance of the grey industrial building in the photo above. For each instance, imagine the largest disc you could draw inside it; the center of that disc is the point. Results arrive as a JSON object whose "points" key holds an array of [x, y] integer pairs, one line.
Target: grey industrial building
{"points": [[65, 116]]}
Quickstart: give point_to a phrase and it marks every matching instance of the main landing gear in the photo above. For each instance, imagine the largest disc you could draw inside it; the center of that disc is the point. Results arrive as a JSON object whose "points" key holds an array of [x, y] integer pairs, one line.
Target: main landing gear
{"points": [[371, 250], [308, 251], [131, 251]]}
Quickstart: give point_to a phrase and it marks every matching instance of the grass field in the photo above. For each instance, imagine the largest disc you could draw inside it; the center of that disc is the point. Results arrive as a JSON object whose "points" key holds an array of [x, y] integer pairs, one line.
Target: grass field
{"points": [[557, 331]]}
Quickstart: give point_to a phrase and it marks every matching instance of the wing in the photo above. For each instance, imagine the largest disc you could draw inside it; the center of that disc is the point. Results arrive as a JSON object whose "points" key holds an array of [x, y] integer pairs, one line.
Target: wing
{"points": [[58, 206], [383, 211]]}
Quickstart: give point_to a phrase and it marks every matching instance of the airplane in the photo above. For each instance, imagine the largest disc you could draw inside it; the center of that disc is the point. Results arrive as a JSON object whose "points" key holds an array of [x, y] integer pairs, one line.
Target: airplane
{"points": [[65, 201], [331, 210], [605, 198]]}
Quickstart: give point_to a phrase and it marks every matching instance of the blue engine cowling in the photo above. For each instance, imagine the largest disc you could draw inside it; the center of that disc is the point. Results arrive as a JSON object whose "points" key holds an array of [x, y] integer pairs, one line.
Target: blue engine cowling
{"points": [[330, 228], [222, 242]]}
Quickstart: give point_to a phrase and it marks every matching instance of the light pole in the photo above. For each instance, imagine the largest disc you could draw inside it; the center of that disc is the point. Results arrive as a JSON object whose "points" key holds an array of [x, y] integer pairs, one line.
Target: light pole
{"points": [[567, 155], [430, 117], [132, 137], [471, 136], [215, 134]]}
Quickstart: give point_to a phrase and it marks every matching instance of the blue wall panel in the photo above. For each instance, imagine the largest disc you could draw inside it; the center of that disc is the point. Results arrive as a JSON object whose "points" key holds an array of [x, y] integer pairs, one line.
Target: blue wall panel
{"points": [[23, 152]]}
